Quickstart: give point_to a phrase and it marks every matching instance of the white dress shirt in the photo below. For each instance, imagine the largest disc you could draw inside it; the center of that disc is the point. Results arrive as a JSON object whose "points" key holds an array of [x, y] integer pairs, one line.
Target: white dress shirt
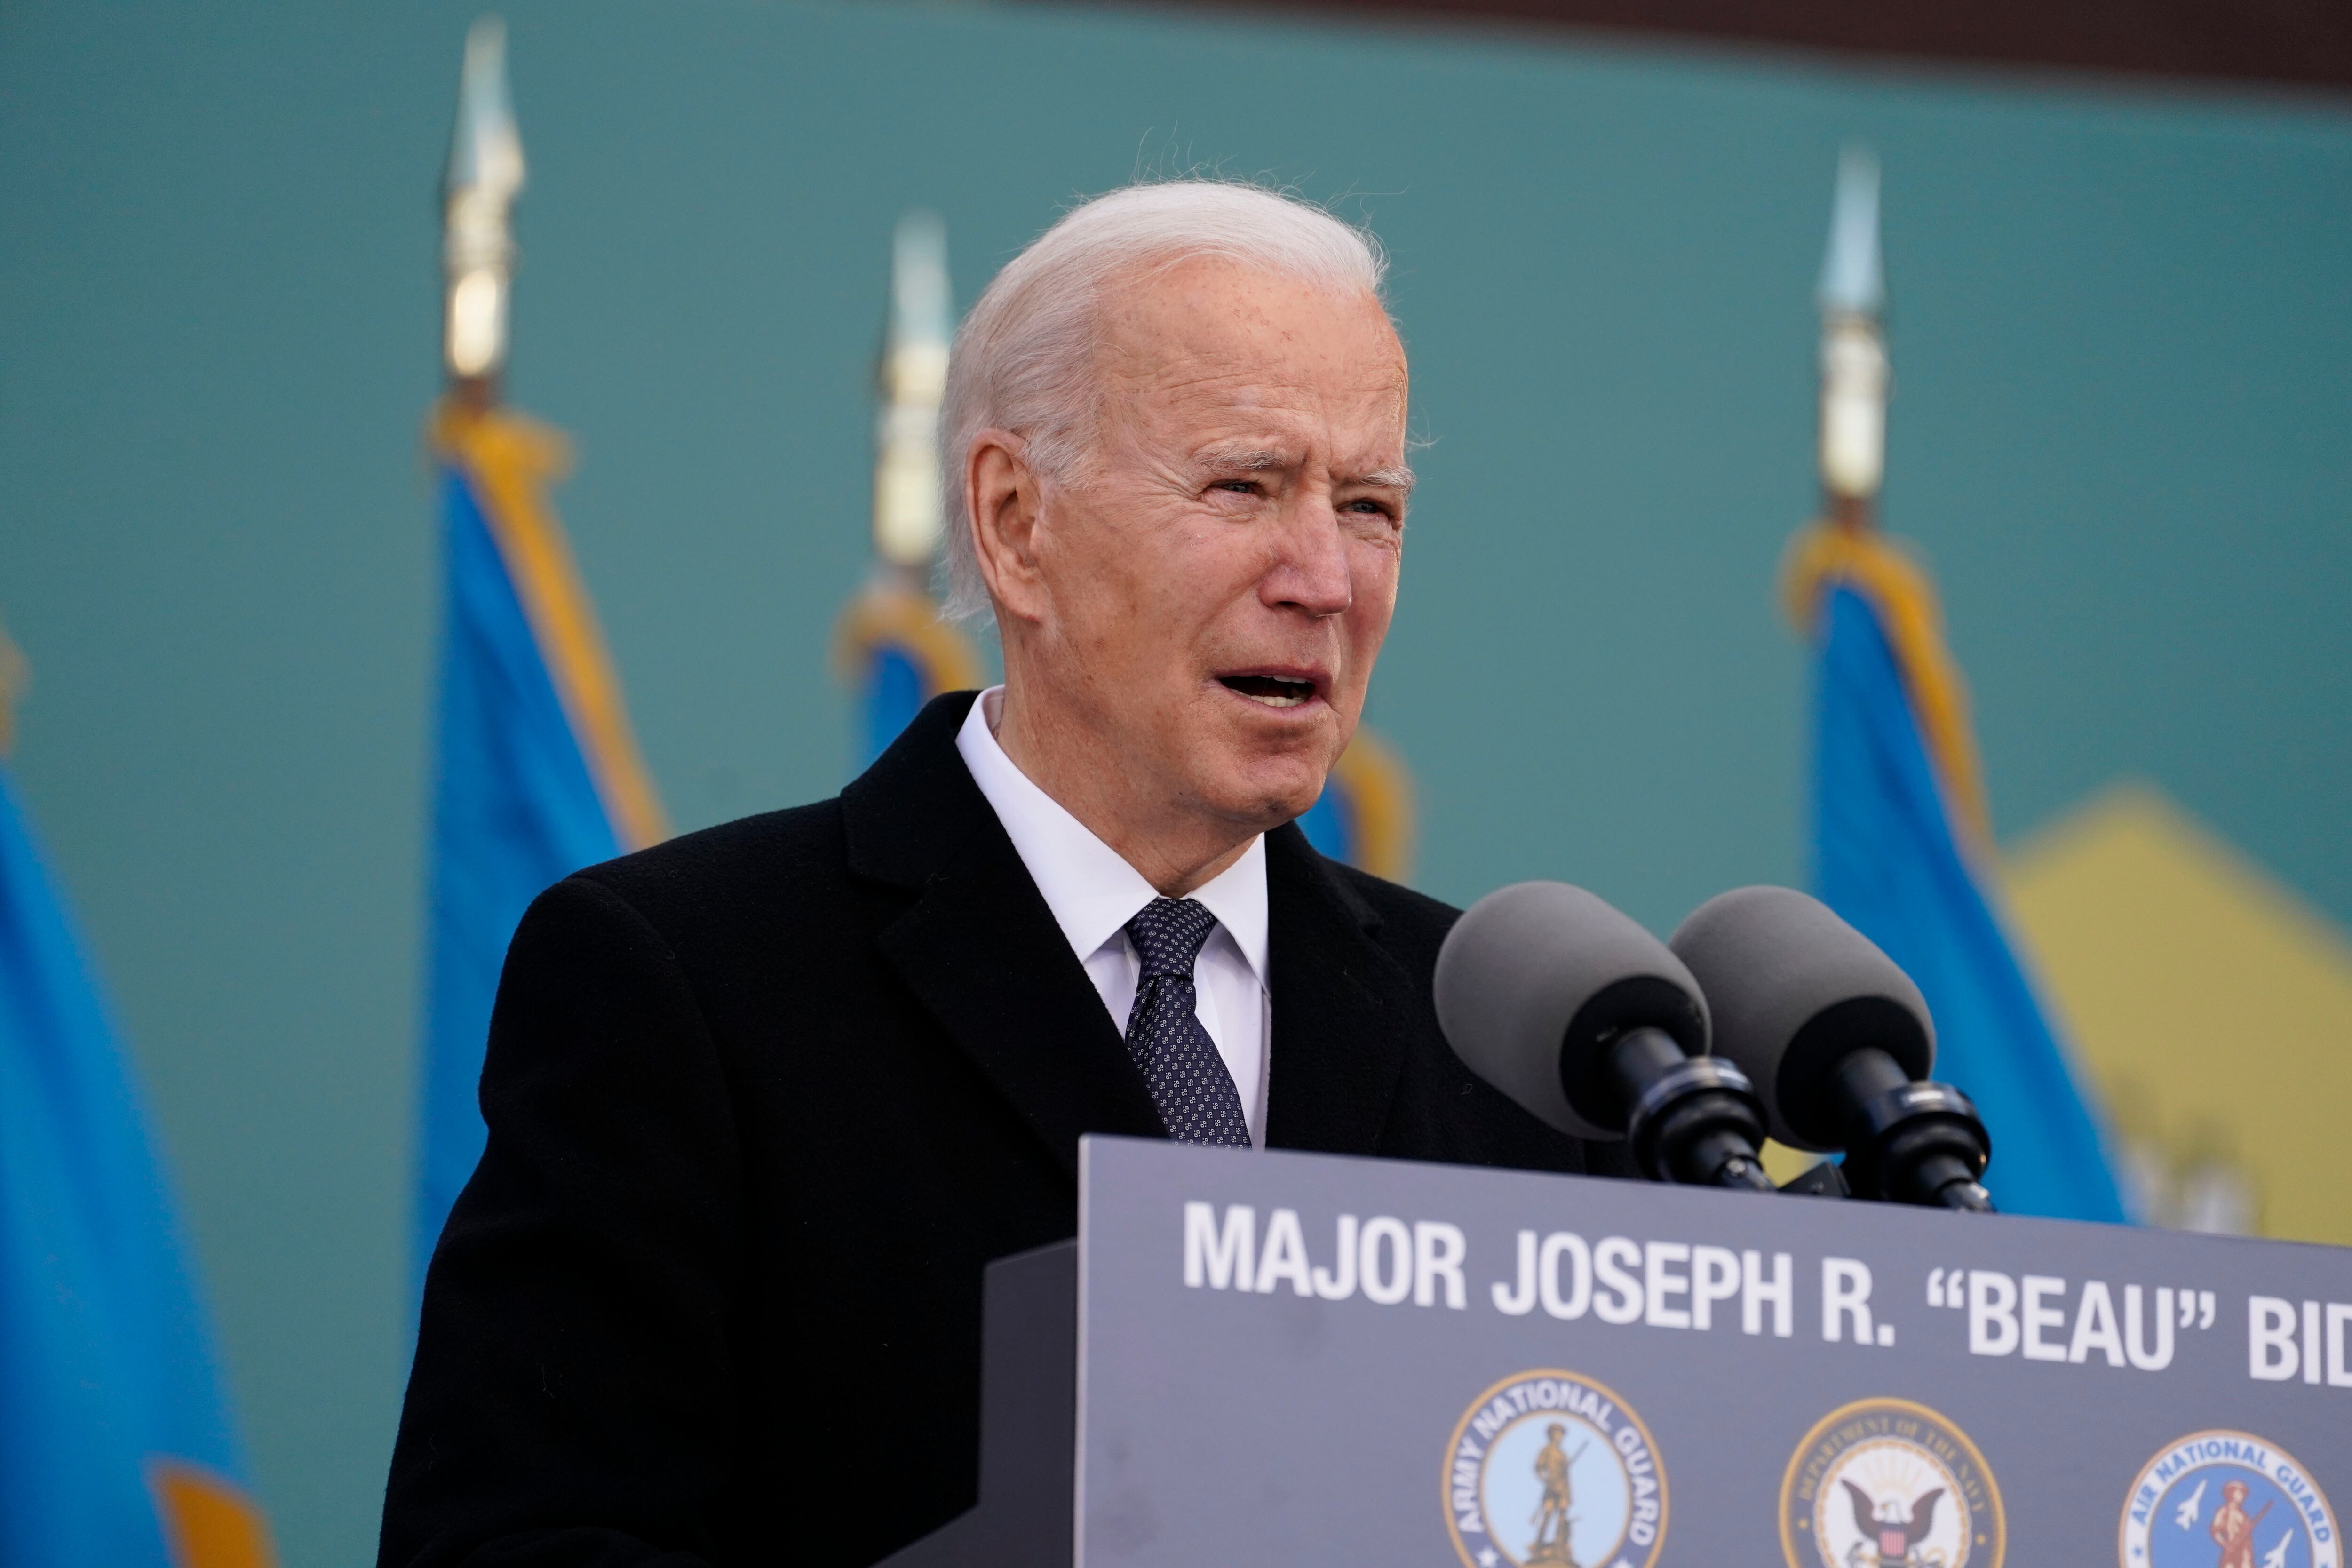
{"points": [[1092, 894]]}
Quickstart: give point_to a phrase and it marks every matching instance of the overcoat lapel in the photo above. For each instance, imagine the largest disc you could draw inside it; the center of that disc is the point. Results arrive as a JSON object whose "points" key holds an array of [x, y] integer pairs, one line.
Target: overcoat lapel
{"points": [[982, 951], [1343, 1008], [979, 947]]}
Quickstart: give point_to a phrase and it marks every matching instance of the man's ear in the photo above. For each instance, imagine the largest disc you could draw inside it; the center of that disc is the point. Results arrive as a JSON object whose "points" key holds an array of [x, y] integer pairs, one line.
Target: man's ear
{"points": [[1002, 497]]}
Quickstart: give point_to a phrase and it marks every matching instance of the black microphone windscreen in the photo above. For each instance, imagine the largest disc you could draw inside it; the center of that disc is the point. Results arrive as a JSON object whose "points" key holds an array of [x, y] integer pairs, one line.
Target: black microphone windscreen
{"points": [[1792, 990], [1535, 978]]}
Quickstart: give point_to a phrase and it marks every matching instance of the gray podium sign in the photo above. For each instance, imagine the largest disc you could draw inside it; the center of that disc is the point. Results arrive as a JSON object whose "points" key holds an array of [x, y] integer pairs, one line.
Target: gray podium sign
{"points": [[1290, 1359]]}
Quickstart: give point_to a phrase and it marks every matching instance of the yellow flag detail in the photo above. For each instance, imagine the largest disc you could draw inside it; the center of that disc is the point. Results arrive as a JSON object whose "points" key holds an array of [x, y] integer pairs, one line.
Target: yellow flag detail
{"points": [[511, 460], [1830, 554], [1379, 797], [208, 1520], [884, 616]]}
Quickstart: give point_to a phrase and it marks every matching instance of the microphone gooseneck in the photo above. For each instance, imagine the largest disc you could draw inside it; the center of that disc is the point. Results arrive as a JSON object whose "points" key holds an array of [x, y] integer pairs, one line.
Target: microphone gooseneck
{"points": [[1590, 1023], [1907, 1141], [1693, 1119], [1839, 1044]]}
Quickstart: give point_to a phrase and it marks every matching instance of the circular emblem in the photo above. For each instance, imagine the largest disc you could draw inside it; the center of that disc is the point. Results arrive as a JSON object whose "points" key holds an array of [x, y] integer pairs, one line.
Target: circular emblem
{"points": [[1550, 1469], [2230, 1496], [1884, 1483]]}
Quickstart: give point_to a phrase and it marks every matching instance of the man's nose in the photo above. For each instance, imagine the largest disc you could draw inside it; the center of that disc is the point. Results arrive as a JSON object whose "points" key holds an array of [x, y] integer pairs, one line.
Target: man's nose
{"points": [[1311, 569]]}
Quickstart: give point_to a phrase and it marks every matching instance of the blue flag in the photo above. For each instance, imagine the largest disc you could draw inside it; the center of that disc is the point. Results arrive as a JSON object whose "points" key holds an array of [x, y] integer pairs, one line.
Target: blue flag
{"points": [[897, 653], [115, 1439], [1900, 850], [896, 690], [536, 774]]}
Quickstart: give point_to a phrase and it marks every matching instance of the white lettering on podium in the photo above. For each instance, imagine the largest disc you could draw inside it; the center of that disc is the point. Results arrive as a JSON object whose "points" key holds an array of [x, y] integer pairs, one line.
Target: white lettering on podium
{"points": [[2095, 1327], [1556, 1271], [1569, 1245], [1621, 1301], [1681, 1285], [1518, 1300], [1755, 1293], [1845, 1298], [1437, 1249], [2323, 1354], [1285, 1256], [1715, 1277], [2271, 1354], [2010, 1315], [1992, 1313], [1338, 1285], [1659, 1283], [1219, 1258], [1382, 1258], [1394, 1284], [2036, 1317], [2135, 1346]]}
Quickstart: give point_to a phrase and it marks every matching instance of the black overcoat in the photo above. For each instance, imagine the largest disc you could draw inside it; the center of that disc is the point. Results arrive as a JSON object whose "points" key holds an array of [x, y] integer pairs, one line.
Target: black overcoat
{"points": [[763, 1102]]}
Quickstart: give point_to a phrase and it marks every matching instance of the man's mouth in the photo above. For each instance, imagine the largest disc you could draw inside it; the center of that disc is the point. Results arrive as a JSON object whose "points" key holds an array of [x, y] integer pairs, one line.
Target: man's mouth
{"points": [[1272, 691]]}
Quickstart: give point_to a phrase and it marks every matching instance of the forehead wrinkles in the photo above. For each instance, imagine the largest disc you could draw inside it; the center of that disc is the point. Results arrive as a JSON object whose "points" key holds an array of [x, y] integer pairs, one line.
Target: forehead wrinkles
{"points": [[1219, 329], [1256, 415]]}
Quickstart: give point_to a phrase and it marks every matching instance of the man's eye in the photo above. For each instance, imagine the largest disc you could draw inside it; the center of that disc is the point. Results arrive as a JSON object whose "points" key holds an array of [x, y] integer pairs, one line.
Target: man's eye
{"points": [[1239, 487]]}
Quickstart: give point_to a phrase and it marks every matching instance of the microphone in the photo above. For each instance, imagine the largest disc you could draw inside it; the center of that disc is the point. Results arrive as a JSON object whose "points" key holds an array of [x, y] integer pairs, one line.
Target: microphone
{"points": [[1591, 1024], [1838, 1041]]}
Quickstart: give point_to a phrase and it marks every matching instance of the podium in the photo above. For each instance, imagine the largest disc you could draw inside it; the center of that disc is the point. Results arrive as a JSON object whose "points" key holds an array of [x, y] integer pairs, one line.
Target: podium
{"points": [[1263, 1358]]}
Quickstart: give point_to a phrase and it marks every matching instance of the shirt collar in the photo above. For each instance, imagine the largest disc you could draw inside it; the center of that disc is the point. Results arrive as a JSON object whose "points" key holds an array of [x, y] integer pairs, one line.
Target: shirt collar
{"points": [[1092, 893]]}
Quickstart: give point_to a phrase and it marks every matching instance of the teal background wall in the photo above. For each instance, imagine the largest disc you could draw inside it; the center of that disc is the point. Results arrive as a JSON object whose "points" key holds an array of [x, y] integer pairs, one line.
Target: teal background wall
{"points": [[2122, 331]]}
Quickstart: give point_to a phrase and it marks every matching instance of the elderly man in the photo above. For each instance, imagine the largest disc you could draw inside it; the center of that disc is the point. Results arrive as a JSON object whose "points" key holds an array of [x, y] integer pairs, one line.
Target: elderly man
{"points": [[765, 1100]]}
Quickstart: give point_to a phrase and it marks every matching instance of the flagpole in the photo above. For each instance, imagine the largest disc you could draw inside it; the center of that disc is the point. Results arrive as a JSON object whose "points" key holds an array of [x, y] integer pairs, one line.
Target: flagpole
{"points": [[890, 644], [1848, 545], [912, 381], [484, 176], [1902, 840], [1852, 297], [511, 460], [536, 768]]}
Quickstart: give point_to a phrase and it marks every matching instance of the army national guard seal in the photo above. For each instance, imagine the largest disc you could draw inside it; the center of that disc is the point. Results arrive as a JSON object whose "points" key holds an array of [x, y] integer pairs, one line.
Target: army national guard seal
{"points": [[1550, 1469], [2227, 1500], [1884, 1483]]}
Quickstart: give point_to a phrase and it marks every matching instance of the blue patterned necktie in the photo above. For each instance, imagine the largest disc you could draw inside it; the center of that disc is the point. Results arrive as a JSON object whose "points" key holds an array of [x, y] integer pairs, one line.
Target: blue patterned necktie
{"points": [[1189, 1082]]}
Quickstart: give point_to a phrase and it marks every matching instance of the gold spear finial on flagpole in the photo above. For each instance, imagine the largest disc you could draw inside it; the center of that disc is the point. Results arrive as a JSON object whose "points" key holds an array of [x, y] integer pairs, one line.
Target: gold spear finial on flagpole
{"points": [[484, 176], [914, 379], [1846, 546], [1854, 347], [894, 610]]}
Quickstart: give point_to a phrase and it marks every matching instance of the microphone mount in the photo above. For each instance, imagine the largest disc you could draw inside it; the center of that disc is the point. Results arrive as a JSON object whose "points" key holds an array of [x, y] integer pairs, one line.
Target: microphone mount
{"points": [[1909, 1141], [1690, 1119]]}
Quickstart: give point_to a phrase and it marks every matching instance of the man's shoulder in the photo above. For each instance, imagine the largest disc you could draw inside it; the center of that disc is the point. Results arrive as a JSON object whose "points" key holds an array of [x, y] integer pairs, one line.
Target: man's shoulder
{"points": [[1411, 923], [751, 866]]}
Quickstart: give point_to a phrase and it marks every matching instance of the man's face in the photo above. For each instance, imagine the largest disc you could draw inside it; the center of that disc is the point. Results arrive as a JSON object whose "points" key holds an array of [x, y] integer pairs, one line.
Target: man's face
{"points": [[1217, 577]]}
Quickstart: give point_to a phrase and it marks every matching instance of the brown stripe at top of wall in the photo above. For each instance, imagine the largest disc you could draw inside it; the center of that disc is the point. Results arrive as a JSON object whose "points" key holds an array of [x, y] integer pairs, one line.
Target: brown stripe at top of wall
{"points": [[2302, 43]]}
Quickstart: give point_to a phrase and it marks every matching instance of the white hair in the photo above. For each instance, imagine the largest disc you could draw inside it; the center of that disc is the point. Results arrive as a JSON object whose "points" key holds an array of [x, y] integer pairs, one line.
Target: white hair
{"points": [[1023, 358]]}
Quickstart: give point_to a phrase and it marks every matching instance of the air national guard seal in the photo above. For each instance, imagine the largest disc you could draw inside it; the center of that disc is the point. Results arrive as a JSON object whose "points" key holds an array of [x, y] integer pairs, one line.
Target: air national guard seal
{"points": [[1884, 1483], [1550, 1469], [2228, 1498]]}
